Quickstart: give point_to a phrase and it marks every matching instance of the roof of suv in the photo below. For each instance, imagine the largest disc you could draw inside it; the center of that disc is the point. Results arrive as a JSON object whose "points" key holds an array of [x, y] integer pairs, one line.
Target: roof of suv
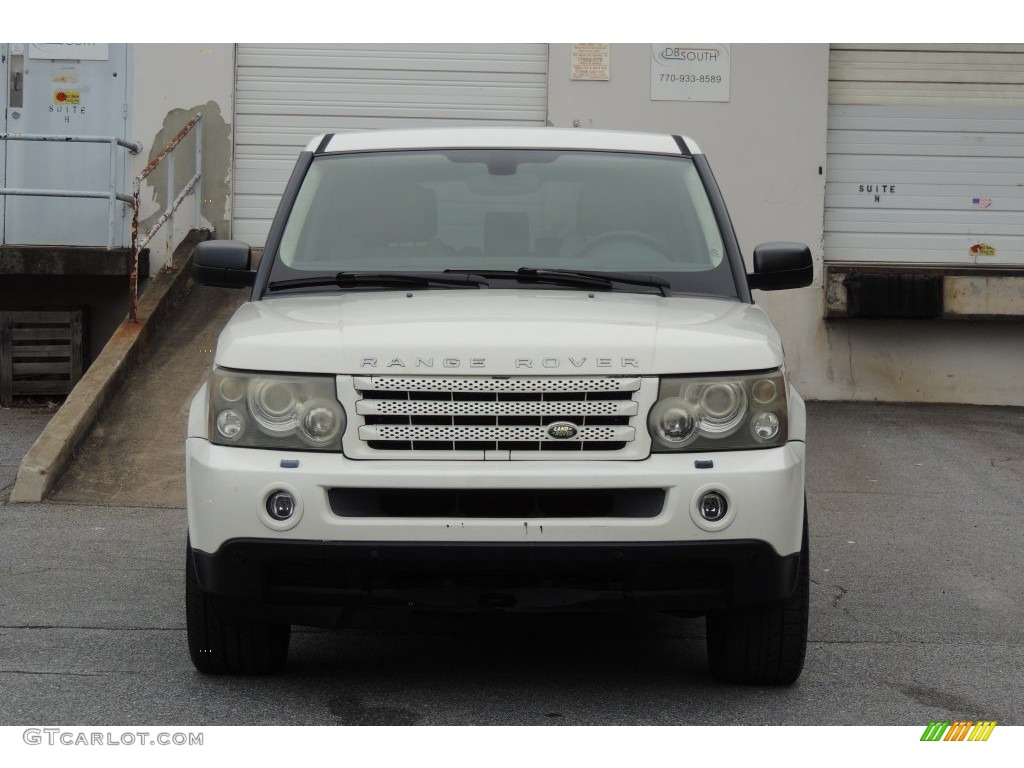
{"points": [[490, 137]]}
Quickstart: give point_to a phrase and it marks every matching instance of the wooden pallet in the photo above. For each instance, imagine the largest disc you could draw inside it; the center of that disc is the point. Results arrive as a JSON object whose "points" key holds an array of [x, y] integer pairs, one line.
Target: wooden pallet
{"points": [[41, 352]]}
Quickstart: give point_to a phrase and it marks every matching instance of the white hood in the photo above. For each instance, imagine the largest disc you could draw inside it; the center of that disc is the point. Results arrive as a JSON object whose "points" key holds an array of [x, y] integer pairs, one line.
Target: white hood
{"points": [[498, 332]]}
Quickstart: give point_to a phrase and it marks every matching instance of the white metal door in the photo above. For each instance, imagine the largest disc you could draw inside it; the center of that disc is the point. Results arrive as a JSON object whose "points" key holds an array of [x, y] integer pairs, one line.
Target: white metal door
{"points": [[926, 155], [286, 94], [66, 89]]}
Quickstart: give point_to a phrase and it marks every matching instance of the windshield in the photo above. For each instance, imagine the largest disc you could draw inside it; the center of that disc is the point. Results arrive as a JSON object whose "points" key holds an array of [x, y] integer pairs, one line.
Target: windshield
{"points": [[505, 209]]}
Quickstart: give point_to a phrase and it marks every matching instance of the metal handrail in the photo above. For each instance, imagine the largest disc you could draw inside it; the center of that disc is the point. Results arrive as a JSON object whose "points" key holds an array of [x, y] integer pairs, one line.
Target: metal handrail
{"points": [[110, 194], [194, 183]]}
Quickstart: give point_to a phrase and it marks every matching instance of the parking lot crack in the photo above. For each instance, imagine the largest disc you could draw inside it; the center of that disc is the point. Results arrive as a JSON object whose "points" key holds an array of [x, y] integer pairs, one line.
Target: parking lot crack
{"points": [[98, 673], [99, 629], [837, 597], [12, 571], [25, 571], [904, 642], [843, 592], [838, 604]]}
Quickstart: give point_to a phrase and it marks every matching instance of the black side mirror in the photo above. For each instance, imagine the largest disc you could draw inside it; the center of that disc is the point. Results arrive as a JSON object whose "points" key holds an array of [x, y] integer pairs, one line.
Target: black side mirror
{"points": [[779, 266], [223, 264]]}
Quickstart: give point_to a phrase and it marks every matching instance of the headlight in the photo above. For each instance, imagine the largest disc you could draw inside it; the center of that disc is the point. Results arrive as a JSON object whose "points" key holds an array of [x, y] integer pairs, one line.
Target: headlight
{"points": [[719, 413], [261, 410]]}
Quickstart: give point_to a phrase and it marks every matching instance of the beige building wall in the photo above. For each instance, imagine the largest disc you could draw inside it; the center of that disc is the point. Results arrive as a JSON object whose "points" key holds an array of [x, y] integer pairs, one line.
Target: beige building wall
{"points": [[766, 146], [172, 82]]}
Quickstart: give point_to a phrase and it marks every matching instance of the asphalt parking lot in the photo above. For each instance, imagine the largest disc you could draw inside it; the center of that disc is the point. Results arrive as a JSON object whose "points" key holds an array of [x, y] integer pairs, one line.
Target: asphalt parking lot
{"points": [[916, 535]]}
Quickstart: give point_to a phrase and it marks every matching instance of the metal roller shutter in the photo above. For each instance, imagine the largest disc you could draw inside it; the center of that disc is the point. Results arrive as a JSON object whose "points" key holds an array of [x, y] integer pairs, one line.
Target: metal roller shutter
{"points": [[286, 94], [926, 155]]}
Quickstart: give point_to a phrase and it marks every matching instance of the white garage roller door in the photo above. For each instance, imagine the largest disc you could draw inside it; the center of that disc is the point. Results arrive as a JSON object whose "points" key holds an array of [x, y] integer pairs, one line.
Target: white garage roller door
{"points": [[926, 155], [286, 94]]}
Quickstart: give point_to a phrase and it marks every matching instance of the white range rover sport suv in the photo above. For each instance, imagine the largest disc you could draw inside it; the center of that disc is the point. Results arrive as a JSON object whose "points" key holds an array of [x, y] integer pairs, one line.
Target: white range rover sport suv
{"points": [[499, 369]]}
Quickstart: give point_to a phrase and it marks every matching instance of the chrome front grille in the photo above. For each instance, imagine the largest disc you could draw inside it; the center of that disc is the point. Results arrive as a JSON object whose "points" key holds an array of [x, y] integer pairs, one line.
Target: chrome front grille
{"points": [[484, 413]]}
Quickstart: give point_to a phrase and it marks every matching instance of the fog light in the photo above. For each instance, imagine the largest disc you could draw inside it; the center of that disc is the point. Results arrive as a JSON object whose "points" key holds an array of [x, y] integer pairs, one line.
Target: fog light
{"points": [[712, 506], [280, 505]]}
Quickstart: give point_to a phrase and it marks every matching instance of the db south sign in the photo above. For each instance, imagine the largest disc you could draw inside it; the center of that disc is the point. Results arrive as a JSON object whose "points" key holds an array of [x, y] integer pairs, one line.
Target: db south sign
{"points": [[690, 72]]}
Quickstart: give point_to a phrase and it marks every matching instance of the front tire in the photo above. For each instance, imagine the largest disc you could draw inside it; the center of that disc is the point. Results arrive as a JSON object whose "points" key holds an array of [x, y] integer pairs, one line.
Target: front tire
{"points": [[221, 644], [763, 645]]}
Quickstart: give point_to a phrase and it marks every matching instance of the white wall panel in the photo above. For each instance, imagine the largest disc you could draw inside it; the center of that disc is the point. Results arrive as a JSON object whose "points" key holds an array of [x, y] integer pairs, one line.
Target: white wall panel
{"points": [[926, 75], [941, 130]]}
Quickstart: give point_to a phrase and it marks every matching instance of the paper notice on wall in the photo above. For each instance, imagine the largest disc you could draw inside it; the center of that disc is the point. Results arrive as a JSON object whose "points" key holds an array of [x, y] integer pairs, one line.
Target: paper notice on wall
{"points": [[690, 72], [590, 61]]}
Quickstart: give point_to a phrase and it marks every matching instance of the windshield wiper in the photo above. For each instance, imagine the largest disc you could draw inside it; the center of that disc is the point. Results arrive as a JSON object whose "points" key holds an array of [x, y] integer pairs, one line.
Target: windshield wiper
{"points": [[382, 279], [626, 278], [573, 277]]}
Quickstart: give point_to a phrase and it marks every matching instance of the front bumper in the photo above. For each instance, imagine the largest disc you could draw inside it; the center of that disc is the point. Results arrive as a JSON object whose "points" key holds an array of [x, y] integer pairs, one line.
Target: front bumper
{"points": [[314, 583], [649, 548], [227, 490]]}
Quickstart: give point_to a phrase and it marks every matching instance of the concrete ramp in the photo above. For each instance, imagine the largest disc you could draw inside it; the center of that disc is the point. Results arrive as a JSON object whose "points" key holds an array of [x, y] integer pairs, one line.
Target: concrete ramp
{"points": [[134, 455]]}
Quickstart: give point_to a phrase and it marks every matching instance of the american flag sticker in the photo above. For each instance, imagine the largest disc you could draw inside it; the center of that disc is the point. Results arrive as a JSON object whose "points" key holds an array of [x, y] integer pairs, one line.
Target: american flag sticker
{"points": [[981, 202]]}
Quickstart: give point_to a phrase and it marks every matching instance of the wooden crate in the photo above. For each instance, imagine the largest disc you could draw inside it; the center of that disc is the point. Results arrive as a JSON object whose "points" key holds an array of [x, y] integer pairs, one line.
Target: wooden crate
{"points": [[41, 352]]}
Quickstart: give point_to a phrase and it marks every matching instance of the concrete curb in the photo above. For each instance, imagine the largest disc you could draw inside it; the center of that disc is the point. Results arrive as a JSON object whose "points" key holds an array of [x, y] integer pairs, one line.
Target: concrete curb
{"points": [[48, 457]]}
